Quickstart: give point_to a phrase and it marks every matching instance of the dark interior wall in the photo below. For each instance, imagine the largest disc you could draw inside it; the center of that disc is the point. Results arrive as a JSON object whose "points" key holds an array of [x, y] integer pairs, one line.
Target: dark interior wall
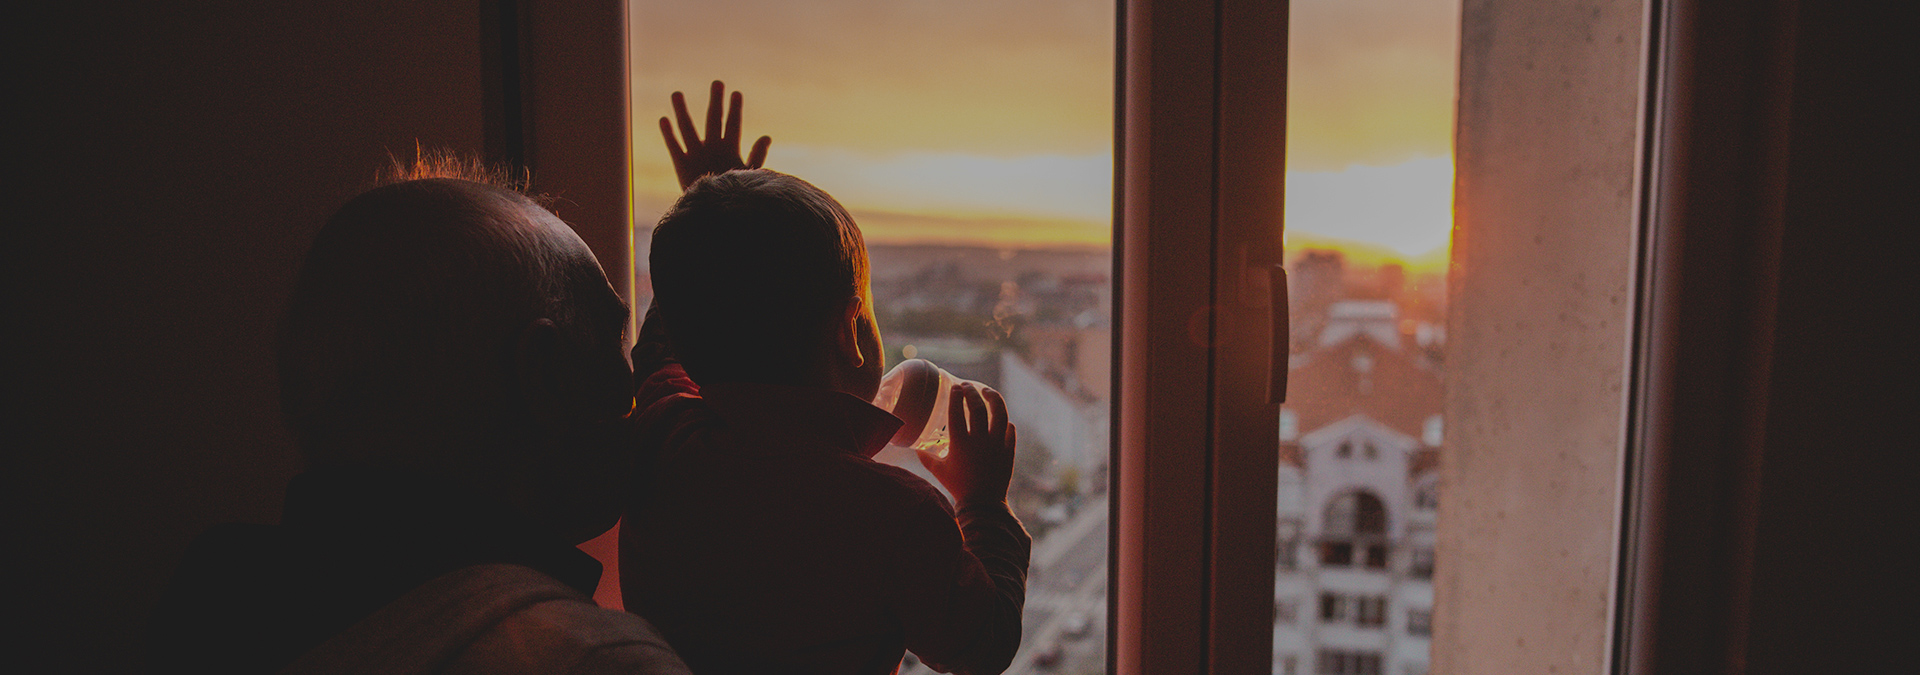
{"points": [[1836, 498], [178, 158], [1783, 444]]}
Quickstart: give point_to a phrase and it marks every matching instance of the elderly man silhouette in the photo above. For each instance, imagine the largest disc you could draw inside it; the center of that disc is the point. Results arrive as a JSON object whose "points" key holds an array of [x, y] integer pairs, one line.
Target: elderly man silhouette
{"points": [[453, 370]]}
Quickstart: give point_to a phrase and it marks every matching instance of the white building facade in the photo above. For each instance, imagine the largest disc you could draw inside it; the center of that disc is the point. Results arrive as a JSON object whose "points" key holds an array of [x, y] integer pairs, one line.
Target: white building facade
{"points": [[1353, 591]]}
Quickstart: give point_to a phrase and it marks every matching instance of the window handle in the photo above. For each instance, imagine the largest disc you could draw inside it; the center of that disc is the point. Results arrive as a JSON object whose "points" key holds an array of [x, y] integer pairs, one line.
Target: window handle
{"points": [[1282, 334]]}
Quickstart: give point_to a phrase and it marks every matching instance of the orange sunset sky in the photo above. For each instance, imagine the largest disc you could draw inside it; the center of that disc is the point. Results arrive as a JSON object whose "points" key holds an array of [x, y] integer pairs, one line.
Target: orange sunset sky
{"points": [[990, 121]]}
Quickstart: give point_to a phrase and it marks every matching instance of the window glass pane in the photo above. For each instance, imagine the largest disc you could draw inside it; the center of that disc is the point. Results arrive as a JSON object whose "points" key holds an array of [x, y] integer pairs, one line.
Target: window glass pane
{"points": [[972, 142], [1369, 213]]}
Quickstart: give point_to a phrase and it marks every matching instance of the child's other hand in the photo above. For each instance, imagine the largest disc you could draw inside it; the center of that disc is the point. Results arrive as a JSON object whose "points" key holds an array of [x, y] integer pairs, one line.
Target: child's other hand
{"points": [[979, 463], [720, 152]]}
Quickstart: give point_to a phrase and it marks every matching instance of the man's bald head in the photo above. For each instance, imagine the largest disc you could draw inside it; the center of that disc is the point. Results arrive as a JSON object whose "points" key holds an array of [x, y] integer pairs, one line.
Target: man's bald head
{"points": [[409, 311]]}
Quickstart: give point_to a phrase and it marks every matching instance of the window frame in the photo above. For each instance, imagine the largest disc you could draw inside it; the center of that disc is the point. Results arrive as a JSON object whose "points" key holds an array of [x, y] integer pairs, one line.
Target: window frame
{"points": [[1191, 78], [1200, 86], [559, 107]]}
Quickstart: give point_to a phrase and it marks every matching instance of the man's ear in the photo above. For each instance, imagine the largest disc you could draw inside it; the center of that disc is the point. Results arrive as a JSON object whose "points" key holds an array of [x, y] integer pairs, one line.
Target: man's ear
{"points": [[847, 334], [536, 364]]}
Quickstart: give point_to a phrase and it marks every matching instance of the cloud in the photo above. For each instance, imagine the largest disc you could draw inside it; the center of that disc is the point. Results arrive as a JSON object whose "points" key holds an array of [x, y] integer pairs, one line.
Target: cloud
{"points": [[1406, 207]]}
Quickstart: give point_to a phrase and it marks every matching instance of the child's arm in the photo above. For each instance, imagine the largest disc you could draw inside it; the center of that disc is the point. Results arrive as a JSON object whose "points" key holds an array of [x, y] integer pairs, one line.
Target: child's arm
{"points": [[720, 152], [967, 570]]}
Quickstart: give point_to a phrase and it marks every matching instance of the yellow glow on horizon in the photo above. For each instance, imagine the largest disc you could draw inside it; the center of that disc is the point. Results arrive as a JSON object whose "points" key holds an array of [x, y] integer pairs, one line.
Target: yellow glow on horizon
{"points": [[1398, 213], [989, 122]]}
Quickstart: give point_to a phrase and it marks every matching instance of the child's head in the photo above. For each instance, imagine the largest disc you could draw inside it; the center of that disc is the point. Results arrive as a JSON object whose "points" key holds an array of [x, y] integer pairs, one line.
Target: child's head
{"points": [[762, 277]]}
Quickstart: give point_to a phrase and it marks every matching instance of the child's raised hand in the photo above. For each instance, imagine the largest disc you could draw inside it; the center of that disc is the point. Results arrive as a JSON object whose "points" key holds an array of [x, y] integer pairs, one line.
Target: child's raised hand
{"points": [[979, 463], [720, 152]]}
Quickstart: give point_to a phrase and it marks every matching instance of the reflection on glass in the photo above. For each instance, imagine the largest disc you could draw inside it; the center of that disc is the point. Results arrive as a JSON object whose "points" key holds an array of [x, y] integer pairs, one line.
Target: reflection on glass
{"points": [[972, 141], [1369, 213]]}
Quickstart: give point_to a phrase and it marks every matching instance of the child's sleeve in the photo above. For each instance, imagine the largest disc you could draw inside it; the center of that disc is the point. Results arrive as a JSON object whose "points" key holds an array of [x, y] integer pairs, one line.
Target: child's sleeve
{"points": [[964, 585]]}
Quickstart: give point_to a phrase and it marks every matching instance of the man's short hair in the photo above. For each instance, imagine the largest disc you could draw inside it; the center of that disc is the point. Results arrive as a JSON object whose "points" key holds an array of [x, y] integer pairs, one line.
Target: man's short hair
{"points": [[751, 270], [406, 309]]}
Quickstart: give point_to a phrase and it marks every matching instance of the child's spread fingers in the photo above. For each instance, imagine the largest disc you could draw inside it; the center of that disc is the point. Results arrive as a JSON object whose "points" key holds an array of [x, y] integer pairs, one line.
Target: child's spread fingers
{"points": [[673, 144], [686, 122], [758, 157], [733, 119], [714, 109]]}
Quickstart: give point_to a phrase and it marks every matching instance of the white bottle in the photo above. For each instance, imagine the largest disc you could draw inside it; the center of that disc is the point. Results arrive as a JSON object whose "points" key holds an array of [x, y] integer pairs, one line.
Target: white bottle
{"points": [[916, 392]]}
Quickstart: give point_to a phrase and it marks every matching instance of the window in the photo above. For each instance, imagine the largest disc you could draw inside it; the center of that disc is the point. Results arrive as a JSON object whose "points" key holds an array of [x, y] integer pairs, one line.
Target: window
{"points": [[1420, 622], [1343, 662], [1529, 129], [1426, 497], [1285, 612], [1370, 612], [972, 143], [1355, 522], [1420, 562], [1500, 203], [1286, 553], [1336, 553], [1365, 611], [1354, 514], [1377, 556]]}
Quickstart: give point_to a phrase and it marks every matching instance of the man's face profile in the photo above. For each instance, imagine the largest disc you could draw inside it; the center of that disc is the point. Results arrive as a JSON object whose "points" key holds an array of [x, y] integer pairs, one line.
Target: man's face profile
{"points": [[583, 396]]}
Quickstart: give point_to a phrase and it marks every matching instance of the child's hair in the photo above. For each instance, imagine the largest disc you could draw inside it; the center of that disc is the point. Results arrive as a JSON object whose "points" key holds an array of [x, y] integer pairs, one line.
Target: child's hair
{"points": [[751, 271]]}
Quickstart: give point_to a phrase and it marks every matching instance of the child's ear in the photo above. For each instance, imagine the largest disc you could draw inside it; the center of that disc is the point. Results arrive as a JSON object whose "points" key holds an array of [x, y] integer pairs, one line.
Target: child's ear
{"points": [[848, 333]]}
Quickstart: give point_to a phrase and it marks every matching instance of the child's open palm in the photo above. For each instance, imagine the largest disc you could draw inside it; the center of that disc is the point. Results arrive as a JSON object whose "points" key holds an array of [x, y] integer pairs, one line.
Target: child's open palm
{"points": [[720, 152]]}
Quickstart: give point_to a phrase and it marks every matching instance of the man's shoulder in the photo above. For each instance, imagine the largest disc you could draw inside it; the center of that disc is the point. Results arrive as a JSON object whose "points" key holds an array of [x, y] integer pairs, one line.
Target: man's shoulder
{"points": [[570, 635], [493, 618]]}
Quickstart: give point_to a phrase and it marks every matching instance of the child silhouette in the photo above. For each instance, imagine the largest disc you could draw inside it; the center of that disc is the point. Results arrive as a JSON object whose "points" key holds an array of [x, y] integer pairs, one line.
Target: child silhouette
{"points": [[768, 540]]}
